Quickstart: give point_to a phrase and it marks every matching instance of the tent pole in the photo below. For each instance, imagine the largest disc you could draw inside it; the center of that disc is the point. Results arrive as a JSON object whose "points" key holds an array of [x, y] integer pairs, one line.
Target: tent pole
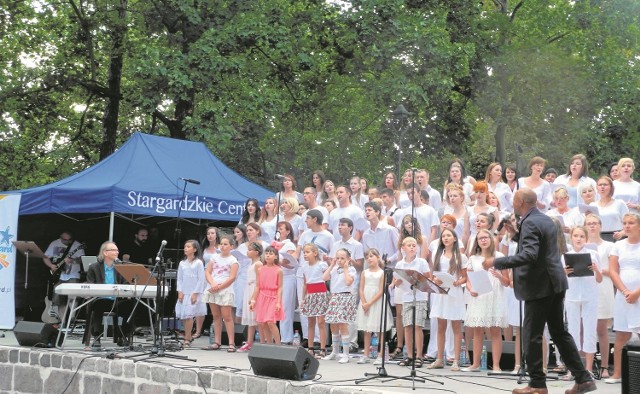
{"points": [[111, 222]]}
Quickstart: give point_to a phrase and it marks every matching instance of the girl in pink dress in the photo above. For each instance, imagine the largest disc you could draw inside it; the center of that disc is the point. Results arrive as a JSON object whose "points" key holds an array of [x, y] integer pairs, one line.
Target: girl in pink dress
{"points": [[267, 297]]}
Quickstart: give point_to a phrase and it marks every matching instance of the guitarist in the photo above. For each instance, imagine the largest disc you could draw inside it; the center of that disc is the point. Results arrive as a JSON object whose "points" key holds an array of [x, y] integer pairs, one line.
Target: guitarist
{"points": [[62, 257]]}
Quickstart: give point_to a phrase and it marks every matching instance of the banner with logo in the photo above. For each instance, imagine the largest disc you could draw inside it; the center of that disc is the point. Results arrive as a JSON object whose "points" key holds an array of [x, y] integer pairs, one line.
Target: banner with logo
{"points": [[9, 209]]}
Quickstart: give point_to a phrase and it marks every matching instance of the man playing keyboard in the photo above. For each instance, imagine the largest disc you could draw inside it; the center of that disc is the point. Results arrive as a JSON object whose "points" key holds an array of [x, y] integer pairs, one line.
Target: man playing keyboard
{"points": [[103, 272]]}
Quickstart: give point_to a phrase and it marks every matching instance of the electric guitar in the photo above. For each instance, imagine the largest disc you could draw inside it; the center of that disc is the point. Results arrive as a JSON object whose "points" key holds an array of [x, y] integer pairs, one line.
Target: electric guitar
{"points": [[60, 264]]}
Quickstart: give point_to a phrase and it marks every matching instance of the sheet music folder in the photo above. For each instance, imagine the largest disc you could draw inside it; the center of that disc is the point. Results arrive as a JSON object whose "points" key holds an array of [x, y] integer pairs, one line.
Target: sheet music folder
{"points": [[135, 274], [580, 262], [419, 281]]}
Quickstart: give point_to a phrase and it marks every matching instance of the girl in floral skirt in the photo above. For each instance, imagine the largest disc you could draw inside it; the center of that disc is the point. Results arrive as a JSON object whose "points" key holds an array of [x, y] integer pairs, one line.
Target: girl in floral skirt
{"points": [[342, 305]]}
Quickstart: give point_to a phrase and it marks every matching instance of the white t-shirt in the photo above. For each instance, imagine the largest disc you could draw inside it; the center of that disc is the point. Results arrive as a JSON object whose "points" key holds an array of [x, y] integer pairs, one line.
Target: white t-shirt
{"points": [[351, 212], [57, 249], [627, 191], [338, 284], [420, 265], [313, 273], [322, 239], [221, 270], [325, 218]]}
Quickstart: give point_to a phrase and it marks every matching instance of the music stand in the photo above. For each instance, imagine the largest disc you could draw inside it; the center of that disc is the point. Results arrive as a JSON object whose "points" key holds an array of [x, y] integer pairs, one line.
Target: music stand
{"points": [[417, 281], [136, 274], [28, 248]]}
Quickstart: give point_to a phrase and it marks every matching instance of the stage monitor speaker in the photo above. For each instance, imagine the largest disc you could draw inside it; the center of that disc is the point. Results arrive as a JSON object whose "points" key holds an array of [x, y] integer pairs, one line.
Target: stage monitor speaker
{"points": [[240, 333], [283, 362], [631, 368], [31, 333]]}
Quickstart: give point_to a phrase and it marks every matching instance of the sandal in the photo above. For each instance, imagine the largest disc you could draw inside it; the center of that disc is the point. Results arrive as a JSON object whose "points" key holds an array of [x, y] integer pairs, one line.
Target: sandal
{"points": [[231, 349], [560, 369], [419, 362], [196, 335], [406, 362], [186, 343], [438, 364], [604, 373], [321, 354], [312, 351], [396, 353], [213, 346]]}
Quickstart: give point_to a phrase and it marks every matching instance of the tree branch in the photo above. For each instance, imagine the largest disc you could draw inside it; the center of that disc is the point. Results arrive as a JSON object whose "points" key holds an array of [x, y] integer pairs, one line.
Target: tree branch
{"points": [[515, 9], [557, 37]]}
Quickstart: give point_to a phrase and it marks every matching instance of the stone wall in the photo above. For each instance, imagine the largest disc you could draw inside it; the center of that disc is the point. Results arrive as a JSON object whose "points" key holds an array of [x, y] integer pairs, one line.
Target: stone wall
{"points": [[24, 370]]}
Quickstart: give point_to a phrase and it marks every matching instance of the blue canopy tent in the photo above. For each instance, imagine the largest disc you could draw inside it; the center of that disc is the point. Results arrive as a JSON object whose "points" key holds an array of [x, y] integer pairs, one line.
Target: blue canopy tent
{"points": [[146, 176]]}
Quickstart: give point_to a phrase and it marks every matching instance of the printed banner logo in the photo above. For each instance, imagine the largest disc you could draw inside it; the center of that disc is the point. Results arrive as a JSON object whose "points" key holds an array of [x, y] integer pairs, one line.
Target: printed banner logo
{"points": [[5, 241], [3, 261]]}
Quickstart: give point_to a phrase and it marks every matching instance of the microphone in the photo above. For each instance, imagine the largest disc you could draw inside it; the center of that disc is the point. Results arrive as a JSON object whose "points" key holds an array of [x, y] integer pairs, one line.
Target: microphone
{"points": [[188, 180], [279, 176], [117, 261], [162, 245]]}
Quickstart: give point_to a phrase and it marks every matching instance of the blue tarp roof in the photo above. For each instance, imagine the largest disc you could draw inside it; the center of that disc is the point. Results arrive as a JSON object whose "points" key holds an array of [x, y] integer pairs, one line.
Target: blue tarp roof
{"points": [[143, 178]]}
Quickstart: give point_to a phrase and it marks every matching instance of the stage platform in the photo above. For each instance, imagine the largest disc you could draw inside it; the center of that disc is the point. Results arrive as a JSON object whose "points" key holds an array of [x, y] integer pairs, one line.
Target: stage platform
{"points": [[74, 370]]}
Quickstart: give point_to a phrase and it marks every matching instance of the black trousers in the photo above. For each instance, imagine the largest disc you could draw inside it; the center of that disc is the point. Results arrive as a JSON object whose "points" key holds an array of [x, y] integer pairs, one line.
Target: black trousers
{"points": [[549, 310], [122, 307]]}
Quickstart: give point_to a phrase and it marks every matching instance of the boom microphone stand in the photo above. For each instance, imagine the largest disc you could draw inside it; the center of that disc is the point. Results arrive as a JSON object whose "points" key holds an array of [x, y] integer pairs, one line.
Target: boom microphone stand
{"points": [[158, 348]]}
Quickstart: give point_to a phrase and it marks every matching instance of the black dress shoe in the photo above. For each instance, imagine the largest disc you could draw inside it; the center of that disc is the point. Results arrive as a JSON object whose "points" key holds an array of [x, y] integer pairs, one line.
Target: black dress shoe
{"points": [[583, 387]]}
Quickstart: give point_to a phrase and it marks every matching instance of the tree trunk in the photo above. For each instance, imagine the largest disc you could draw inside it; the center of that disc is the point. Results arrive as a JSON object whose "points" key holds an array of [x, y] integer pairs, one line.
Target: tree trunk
{"points": [[112, 108]]}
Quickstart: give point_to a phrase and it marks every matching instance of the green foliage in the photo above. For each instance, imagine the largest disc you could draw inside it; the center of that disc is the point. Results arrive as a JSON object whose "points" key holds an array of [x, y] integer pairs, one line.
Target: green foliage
{"points": [[293, 86]]}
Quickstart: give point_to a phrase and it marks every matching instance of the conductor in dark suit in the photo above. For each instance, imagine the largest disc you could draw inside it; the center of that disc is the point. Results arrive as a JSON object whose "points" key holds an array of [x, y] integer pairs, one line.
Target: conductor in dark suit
{"points": [[103, 272], [540, 281]]}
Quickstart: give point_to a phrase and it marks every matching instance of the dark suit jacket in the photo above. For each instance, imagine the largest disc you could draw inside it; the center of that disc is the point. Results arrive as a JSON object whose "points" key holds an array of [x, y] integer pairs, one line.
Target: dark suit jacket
{"points": [[95, 274], [538, 271]]}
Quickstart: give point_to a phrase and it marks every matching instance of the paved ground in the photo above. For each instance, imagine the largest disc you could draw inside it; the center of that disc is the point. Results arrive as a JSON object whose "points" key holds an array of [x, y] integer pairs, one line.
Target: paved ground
{"points": [[340, 375]]}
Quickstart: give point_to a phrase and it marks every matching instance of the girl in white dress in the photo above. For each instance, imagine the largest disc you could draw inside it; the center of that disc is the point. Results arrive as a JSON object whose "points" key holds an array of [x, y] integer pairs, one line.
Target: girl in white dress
{"points": [[486, 310], [254, 253], [581, 299], [358, 197], [610, 210], [493, 177], [450, 306], [454, 199], [575, 177], [626, 189], [403, 198], [480, 189], [605, 288], [189, 285], [624, 268], [371, 302], [268, 219]]}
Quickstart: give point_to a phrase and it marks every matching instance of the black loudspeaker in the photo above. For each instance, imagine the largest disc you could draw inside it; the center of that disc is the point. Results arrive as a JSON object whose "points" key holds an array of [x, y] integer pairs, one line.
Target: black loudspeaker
{"points": [[32, 333], [631, 368], [240, 334], [283, 362]]}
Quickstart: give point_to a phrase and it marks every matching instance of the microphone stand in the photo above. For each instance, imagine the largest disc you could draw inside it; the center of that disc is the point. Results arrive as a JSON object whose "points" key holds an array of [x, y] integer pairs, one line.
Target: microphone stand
{"points": [[177, 236], [158, 349], [382, 371]]}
